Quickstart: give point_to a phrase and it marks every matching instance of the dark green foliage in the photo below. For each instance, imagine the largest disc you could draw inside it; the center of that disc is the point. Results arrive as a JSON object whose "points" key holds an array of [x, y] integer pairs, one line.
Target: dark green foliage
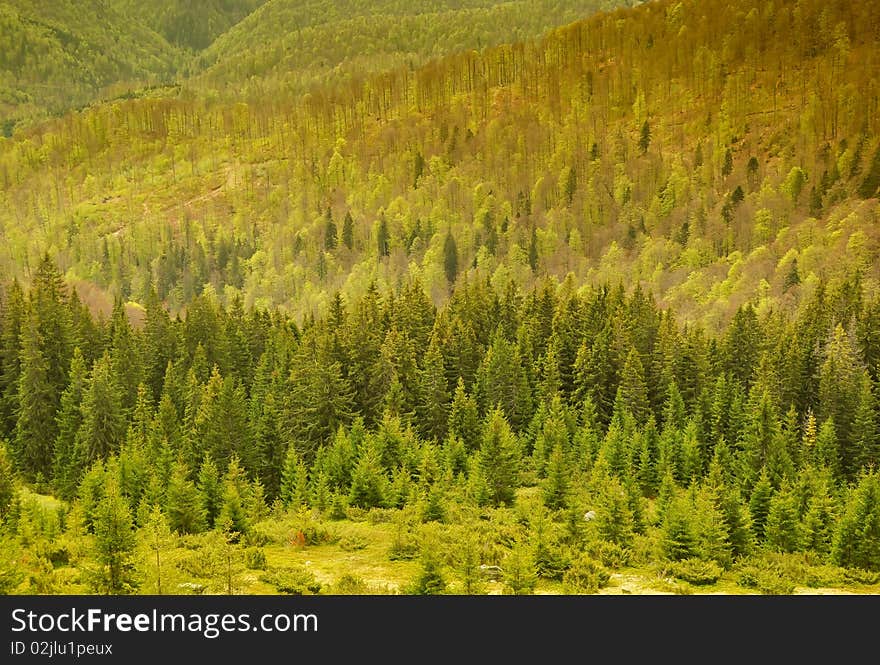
{"points": [[644, 137], [185, 510], [499, 458], [114, 542], [759, 505], [520, 576], [35, 428], [857, 539], [450, 258], [7, 482]]}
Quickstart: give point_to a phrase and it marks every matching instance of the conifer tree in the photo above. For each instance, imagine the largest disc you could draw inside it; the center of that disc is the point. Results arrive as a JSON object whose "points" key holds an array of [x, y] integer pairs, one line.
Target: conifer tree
{"points": [[294, 480], [182, 502], [450, 258], [678, 540], [368, 481], [759, 505], [348, 231], [114, 541], [857, 539], [556, 486], [103, 424], [35, 428], [464, 421], [499, 458], [10, 357], [7, 482], [782, 528], [433, 397], [210, 491], [67, 466]]}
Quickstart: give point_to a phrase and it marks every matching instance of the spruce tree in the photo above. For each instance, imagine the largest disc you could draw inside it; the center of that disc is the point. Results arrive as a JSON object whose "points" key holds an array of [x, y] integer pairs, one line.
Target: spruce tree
{"points": [[7, 482], [103, 424], [67, 464], [182, 502], [35, 428], [210, 491], [759, 505], [450, 258], [433, 407], [556, 486], [464, 421], [857, 539], [294, 480], [348, 231], [114, 541], [782, 529], [499, 458]]}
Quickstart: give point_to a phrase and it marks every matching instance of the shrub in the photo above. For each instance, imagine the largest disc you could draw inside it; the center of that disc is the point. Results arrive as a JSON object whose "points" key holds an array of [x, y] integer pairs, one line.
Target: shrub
{"points": [[611, 555], [696, 571], [351, 585], [295, 581], [585, 575]]}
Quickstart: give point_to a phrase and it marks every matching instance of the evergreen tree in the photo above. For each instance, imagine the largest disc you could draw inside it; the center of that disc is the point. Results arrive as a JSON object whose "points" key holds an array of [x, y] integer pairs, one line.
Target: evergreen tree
{"points": [[114, 541], [678, 541], [210, 498], [556, 486], [759, 505], [183, 506], [520, 575], [103, 424], [294, 480], [644, 137], [232, 518], [7, 482], [499, 458], [329, 232], [857, 539], [35, 428], [782, 528], [368, 481], [348, 231], [67, 465], [450, 258], [10, 357], [433, 397], [464, 421]]}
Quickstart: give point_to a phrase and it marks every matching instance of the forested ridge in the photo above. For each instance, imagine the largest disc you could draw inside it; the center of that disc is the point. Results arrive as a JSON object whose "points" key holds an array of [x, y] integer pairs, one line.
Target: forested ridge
{"points": [[592, 311]]}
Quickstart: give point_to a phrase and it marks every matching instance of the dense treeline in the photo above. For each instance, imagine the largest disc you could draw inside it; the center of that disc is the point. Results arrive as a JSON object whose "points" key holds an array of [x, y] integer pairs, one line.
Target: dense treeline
{"points": [[680, 144], [703, 449]]}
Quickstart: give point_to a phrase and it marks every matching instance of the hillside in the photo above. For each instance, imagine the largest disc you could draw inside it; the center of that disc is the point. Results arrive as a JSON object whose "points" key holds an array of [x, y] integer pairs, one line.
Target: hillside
{"points": [[597, 310], [290, 46], [628, 145], [188, 24], [60, 54]]}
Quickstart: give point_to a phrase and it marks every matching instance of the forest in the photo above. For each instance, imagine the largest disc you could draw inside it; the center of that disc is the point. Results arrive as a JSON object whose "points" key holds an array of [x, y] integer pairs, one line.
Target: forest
{"points": [[523, 299]]}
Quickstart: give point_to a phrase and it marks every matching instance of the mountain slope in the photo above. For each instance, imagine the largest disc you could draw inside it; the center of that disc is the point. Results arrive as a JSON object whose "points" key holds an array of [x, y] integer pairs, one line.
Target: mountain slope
{"points": [[189, 24], [58, 54], [682, 145], [295, 44]]}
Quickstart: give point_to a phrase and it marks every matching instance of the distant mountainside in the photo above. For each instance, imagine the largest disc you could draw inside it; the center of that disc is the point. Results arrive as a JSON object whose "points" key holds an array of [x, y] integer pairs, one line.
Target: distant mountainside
{"points": [[58, 54], [189, 24], [292, 45]]}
